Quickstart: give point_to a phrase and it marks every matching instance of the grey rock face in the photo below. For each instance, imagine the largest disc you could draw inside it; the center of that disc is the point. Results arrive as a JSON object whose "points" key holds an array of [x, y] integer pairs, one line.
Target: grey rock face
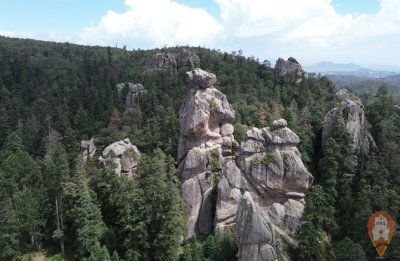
{"points": [[173, 61], [291, 65], [206, 136], [184, 57], [202, 78], [270, 172], [352, 110], [164, 60], [132, 98], [257, 237], [203, 113], [88, 149], [121, 156], [262, 184], [397, 108]]}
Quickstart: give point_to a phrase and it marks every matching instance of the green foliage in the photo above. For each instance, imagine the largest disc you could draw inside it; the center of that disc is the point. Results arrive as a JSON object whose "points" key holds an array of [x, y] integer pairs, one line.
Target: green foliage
{"points": [[84, 214], [348, 250], [9, 236], [213, 104], [266, 159], [71, 89], [213, 248], [57, 257], [192, 251], [240, 132], [153, 221], [214, 157], [99, 254]]}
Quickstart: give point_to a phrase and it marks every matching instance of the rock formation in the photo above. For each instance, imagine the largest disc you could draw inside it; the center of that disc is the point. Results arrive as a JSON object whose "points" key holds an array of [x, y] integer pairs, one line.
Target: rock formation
{"points": [[397, 108], [132, 98], [283, 67], [88, 149], [270, 173], [172, 61], [206, 136], [121, 156], [352, 111], [260, 193]]}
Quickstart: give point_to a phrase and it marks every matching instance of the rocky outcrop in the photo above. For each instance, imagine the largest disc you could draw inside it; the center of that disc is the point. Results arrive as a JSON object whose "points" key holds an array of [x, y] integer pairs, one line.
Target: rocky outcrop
{"points": [[352, 111], [88, 149], [173, 61], [397, 108], [260, 193], [283, 67], [121, 156], [132, 98], [270, 173], [206, 118], [206, 137]]}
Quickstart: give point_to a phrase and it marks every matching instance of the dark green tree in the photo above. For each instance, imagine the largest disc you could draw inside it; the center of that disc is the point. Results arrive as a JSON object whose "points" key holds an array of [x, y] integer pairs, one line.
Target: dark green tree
{"points": [[84, 213]]}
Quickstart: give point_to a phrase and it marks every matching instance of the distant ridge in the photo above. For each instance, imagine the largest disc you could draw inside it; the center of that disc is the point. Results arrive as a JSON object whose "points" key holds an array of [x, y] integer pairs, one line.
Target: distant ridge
{"points": [[330, 66]]}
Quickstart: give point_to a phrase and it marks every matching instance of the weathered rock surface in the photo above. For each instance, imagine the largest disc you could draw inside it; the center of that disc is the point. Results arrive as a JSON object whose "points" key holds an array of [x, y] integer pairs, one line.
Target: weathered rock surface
{"points": [[121, 156], [352, 111], [291, 65], [88, 149], [206, 136], [173, 61], [270, 172], [206, 118], [257, 237], [261, 189], [132, 98], [397, 108]]}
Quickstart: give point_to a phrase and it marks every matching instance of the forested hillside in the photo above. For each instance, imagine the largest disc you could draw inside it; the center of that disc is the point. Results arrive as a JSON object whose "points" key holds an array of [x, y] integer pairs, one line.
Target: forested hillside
{"points": [[55, 95]]}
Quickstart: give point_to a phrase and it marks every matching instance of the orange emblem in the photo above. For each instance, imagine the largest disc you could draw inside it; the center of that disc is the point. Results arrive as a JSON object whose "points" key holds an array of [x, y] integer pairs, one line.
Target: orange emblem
{"points": [[381, 228]]}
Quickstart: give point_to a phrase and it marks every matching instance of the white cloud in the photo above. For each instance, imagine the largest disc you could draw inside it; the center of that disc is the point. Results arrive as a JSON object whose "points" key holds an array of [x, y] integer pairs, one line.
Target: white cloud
{"points": [[311, 21], [156, 22], [266, 28], [28, 34]]}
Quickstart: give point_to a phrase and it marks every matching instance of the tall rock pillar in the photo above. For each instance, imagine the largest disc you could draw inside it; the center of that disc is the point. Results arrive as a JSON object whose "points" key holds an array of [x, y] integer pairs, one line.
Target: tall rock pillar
{"points": [[206, 138]]}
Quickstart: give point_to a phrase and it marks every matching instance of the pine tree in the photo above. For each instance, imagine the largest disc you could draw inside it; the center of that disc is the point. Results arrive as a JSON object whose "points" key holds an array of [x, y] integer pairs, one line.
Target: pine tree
{"points": [[56, 174], [12, 144], [84, 213], [9, 236], [348, 250], [22, 181], [99, 254], [157, 177]]}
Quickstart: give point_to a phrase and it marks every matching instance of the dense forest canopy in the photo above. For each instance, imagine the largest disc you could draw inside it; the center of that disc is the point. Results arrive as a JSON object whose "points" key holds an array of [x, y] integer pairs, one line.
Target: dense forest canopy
{"points": [[54, 95]]}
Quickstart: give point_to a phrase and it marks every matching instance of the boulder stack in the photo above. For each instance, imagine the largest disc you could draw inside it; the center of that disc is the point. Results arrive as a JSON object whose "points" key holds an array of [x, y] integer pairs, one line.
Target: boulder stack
{"points": [[121, 156]]}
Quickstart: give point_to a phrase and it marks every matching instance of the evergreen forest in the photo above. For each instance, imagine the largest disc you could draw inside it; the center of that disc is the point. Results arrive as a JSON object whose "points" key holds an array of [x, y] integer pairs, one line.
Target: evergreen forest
{"points": [[55, 204]]}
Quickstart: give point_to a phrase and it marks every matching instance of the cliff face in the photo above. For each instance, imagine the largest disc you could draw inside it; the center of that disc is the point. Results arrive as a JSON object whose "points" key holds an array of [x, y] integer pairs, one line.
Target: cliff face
{"points": [[260, 193], [206, 136], [352, 110]]}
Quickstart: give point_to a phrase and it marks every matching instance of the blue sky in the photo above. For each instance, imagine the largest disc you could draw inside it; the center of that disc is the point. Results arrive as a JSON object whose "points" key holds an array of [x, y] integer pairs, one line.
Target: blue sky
{"points": [[356, 6], [361, 31]]}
